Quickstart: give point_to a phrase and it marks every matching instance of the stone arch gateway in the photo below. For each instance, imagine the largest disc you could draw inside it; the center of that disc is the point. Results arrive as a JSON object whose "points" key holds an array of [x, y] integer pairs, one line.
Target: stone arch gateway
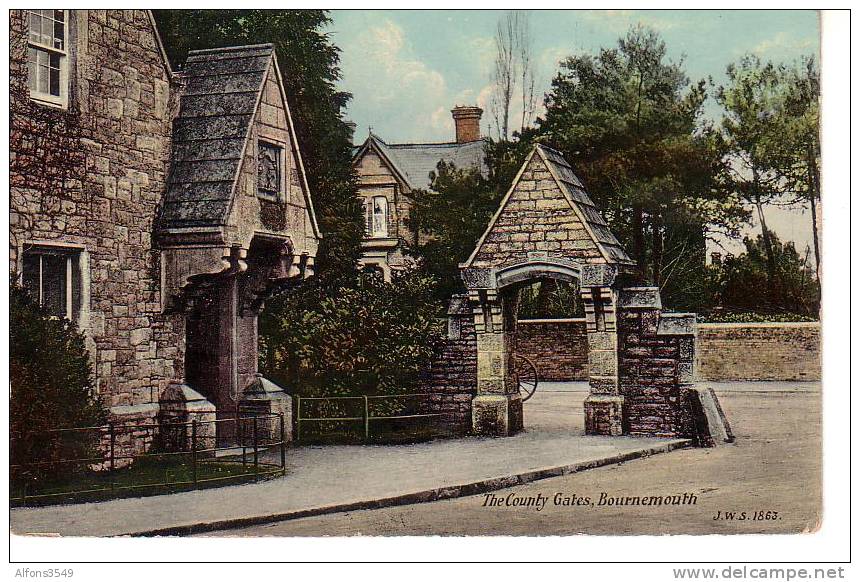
{"points": [[640, 360]]}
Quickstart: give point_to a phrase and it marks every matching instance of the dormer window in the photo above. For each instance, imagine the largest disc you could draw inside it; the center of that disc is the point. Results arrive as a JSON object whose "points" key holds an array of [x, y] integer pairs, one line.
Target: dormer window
{"points": [[47, 56], [270, 172]]}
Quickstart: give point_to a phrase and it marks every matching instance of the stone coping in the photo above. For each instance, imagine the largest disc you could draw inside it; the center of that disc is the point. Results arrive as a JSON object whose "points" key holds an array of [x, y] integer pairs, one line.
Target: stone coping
{"points": [[738, 325], [550, 320]]}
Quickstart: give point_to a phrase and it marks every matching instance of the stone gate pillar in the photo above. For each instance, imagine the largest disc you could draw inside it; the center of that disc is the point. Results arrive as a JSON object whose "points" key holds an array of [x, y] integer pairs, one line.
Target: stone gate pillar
{"points": [[604, 405], [497, 408]]}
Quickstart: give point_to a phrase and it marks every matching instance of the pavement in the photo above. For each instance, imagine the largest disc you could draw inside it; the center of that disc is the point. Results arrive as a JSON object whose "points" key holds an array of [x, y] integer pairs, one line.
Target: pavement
{"points": [[331, 479], [772, 471]]}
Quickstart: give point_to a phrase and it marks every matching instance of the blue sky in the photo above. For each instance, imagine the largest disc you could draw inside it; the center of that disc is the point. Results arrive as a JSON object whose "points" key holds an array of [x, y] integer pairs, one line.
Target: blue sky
{"points": [[407, 68]]}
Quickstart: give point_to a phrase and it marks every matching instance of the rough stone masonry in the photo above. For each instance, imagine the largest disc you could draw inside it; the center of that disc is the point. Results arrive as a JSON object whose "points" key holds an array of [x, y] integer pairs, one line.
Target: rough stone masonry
{"points": [[142, 195]]}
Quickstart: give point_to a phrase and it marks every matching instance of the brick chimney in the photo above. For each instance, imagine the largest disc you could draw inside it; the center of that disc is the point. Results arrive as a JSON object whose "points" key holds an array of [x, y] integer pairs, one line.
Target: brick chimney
{"points": [[467, 121]]}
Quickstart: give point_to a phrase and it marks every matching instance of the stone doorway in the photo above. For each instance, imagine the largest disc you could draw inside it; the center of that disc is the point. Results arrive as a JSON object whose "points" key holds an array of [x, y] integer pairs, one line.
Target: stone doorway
{"points": [[221, 310]]}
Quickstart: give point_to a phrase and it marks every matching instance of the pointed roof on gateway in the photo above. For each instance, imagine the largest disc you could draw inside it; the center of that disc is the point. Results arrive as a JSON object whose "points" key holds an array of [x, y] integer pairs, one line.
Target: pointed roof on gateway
{"points": [[217, 108], [574, 193]]}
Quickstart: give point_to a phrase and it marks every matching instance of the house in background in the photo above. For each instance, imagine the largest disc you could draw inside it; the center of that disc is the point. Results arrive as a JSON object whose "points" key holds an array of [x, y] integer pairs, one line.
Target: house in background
{"points": [[388, 173], [156, 210]]}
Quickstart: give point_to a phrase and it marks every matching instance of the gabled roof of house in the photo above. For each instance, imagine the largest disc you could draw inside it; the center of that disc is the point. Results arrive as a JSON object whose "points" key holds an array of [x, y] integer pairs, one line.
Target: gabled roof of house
{"points": [[413, 162], [217, 108], [574, 192]]}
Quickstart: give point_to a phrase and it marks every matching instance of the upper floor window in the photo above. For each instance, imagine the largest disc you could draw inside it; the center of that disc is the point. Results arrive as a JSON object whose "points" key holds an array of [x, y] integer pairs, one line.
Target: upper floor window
{"points": [[376, 217], [269, 171], [47, 56], [52, 276]]}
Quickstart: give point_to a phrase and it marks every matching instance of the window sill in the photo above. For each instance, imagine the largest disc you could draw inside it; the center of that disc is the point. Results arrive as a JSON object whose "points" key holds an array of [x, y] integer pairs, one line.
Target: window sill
{"points": [[379, 242], [270, 198], [49, 101]]}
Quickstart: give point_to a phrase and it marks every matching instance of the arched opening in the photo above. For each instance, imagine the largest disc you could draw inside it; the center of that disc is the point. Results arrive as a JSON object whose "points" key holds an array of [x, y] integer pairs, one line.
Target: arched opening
{"points": [[547, 345]]}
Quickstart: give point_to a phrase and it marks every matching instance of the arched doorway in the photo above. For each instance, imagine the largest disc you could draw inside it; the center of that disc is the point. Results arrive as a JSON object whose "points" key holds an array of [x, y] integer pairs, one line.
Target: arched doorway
{"points": [[551, 355], [497, 408]]}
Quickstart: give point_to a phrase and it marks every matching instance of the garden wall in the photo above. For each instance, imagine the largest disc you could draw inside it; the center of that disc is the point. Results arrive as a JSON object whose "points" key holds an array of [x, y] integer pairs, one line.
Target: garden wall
{"points": [[788, 351], [557, 347]]}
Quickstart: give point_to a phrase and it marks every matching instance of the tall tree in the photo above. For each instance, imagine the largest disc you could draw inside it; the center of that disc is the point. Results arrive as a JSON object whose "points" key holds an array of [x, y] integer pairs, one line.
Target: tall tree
{"points": [[309, 63], [513, 69], [451, 217], [753, 132], [798, 153], [629, 120]]}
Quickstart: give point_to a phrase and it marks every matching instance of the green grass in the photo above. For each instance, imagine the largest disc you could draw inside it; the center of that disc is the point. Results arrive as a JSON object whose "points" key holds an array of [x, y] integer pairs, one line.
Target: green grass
{"points": [[151, 475]]}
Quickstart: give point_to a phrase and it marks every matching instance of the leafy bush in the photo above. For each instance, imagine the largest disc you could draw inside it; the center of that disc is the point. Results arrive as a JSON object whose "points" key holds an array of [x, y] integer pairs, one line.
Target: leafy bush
{"points": [[741, 284], [719, 316], [360, 337], [550, 299], [51, 387]]}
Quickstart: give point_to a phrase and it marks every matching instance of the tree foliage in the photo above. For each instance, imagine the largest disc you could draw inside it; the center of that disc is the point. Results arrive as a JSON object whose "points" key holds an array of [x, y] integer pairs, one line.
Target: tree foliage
{"points": [[629, 120], [51, 388], [737, 281], [752, 99], [451, 218], [375, 338], [309, 63]]}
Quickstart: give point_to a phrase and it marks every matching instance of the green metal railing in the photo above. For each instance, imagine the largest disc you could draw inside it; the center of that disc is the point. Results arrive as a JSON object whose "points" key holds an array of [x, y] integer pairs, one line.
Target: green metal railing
{"points": [[368, 413], [184, 447]]}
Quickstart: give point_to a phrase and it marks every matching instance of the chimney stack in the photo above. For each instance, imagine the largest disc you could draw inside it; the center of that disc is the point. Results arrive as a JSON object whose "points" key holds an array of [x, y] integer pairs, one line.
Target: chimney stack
{"points": [[467, 121]]}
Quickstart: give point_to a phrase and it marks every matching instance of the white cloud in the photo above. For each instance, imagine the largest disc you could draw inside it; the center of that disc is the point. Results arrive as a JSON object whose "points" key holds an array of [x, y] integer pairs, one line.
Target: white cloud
{"points": [[483, 50], [391, 85], [783, 42], [619, 21], [550, 58]]}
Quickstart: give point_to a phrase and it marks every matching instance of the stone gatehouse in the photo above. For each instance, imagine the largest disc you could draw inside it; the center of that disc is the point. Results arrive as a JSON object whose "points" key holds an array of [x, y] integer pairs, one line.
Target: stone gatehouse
{"points": [[155, 209], [640, 360]]}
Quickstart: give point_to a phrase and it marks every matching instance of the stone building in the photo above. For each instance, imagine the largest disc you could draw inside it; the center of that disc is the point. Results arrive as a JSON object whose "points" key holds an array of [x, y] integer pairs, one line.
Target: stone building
{"points": [[388, 173], [156, 210]]}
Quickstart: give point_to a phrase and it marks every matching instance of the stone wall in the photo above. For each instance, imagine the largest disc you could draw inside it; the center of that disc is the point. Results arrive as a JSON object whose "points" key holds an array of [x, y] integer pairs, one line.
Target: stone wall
{"points": [[92, 176], [452, 378], [759, 351], [656, 352], [558, 348]]}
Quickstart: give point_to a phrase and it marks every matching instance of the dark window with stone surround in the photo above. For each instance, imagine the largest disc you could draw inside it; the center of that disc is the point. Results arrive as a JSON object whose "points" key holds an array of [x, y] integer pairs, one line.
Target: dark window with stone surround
{"points": [[269, 171], [47, 55], [52, 276]]}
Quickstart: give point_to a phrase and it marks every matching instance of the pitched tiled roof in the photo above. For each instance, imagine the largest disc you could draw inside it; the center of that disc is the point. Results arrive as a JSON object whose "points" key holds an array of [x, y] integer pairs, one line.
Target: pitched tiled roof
{"points": [[575, 192], [414, 161], [216, 110]]}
